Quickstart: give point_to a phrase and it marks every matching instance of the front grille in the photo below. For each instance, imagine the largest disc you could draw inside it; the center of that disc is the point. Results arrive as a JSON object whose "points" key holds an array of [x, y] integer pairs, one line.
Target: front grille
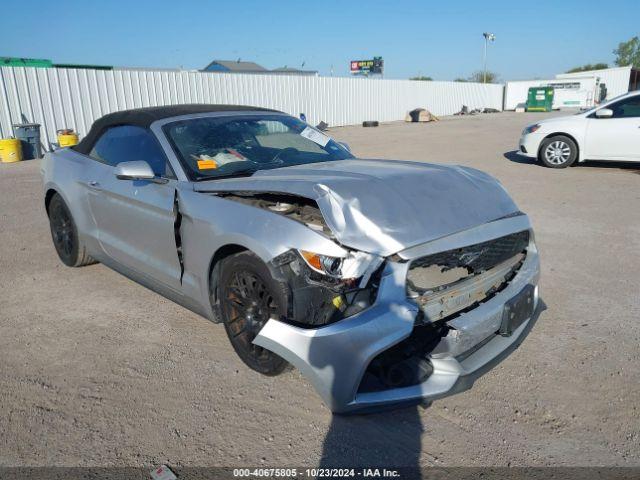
{"points": [[453, 281], [479, 257]]}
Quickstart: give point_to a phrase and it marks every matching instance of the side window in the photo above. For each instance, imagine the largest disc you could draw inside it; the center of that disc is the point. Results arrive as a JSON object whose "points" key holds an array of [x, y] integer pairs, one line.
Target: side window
{"points": [[127, 143], [627, 108]]}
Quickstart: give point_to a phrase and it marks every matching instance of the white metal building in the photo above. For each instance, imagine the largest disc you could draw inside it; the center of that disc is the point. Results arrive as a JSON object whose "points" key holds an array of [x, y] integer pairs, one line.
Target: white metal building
{"points": [[579, 89], [616, 80], [575, 92]]}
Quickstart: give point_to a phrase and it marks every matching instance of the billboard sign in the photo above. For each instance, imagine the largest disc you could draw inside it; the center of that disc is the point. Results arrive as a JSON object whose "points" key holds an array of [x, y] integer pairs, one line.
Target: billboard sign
{"points": [[366, 67]]}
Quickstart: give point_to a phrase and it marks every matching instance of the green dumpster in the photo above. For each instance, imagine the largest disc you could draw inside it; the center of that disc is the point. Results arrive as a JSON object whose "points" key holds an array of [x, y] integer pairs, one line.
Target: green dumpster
{"points": [[540, 99]]}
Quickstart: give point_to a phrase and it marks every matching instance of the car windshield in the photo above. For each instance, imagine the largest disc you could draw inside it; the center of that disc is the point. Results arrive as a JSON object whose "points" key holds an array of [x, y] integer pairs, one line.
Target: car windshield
{"points": [[216, 147]]}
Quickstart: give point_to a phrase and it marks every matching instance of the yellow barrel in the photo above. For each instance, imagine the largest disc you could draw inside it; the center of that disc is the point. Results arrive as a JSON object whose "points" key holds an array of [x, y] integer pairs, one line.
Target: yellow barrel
{"points": [[10, 150], [67, 138]]}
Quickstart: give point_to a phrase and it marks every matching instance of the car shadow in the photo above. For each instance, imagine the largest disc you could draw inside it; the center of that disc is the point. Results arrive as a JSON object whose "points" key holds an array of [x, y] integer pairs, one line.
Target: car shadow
{"points": [[633, 167], [384, 439], [515, 157]]}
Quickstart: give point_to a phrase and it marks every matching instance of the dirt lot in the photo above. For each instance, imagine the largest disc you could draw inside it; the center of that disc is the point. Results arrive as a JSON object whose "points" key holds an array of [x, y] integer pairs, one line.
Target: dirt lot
{"points": [[96, 370]]}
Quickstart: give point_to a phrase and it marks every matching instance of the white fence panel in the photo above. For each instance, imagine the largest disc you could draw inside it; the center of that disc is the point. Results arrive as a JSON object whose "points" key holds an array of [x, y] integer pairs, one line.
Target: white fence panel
{"points": [[70, 98]]}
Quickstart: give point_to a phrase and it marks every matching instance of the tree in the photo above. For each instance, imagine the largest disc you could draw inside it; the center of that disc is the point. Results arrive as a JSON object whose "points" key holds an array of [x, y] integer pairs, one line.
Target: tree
{"points": [[588, 66], [628, 53], [422, 78], [479, 77], [460, 80]]}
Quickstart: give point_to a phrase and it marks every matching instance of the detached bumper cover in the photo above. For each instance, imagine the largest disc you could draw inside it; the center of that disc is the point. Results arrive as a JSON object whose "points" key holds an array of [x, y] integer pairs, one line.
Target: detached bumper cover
{"points": [[335, 357]]}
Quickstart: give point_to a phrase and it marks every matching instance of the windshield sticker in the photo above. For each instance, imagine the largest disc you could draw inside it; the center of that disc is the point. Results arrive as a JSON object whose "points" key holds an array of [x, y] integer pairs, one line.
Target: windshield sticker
{"points": [[207, 164], [228, 155], [315, 136]]}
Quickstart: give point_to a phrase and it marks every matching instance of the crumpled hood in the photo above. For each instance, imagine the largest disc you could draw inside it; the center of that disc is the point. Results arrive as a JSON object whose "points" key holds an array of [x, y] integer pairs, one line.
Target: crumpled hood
{"points": [[382, 206]]}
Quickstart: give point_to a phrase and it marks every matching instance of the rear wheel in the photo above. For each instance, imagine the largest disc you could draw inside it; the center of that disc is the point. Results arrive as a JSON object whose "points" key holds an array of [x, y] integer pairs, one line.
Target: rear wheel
{"points": [[249, 297], [65, 235], [558, 152]]}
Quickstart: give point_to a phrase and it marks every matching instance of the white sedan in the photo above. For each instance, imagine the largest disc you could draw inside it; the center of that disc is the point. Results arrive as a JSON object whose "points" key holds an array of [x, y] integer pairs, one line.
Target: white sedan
{"points": [[610, 131]]}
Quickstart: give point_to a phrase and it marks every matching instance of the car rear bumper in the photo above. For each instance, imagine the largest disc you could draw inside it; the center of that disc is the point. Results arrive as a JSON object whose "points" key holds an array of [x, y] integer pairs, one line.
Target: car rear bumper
{"points": [[334, 358]]}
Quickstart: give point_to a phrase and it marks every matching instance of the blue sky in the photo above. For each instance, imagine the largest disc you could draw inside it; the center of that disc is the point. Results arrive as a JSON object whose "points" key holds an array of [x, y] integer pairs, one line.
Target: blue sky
{"points": [[440, 39]]}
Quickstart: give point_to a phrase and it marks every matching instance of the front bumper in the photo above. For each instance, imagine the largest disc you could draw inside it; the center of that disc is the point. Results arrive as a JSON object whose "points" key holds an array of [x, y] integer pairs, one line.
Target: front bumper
{"points": [[334, 358], [530, 144]]}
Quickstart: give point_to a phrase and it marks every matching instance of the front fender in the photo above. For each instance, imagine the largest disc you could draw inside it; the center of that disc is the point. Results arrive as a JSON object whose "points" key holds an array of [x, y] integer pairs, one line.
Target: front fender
{"points": [[209, 222], [576, 132]]}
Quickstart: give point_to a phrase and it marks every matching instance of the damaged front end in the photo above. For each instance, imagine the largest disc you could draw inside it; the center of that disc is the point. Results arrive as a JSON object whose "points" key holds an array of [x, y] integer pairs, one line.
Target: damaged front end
{"points": [[317, 299], [321, 289], [451, 281], [437, 316], [372, 330], [444, 285], [296, 208]]}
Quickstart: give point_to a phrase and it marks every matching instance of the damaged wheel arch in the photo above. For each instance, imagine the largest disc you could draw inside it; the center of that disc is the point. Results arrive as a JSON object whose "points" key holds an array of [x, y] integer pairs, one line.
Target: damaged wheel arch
{"points": [[214, 274], [314, 298], [249, 298]]}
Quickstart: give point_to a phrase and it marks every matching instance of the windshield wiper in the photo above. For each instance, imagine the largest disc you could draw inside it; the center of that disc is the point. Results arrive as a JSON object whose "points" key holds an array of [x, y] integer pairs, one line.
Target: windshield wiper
{"points": [[247, 172]]}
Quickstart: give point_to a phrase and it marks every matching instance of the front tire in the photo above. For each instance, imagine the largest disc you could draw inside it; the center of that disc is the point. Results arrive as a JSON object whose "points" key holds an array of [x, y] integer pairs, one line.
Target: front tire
{"points": [[249, 297], [64, 234], [558, 152]]}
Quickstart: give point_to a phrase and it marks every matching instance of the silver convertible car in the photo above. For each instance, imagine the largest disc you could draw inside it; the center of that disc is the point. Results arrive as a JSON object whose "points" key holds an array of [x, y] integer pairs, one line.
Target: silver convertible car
{"points": [[383, 282]]}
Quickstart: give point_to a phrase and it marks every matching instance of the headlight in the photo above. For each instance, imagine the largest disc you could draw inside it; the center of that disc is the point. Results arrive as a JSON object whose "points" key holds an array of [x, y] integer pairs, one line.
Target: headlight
{"points": [[354, 265], [324, 264], [325, 289], [531, 128]]}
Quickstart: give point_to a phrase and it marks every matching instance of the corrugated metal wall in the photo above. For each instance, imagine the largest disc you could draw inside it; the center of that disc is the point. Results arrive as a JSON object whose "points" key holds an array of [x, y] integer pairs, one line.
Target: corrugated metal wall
{"points": [[616, 79], [68, 98]]}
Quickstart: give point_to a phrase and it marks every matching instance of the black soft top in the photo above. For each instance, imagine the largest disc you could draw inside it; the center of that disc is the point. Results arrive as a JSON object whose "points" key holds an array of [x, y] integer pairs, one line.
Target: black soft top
{"points": [[143, 117]]}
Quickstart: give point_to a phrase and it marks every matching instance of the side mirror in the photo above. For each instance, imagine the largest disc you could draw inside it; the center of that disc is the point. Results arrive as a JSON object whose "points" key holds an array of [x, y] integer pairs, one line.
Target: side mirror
{"points": [[346, 145], [604, 113], [137, 170]]}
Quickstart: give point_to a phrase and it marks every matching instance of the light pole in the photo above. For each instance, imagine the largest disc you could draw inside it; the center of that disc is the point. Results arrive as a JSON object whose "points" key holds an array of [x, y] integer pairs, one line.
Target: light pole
{"points": [[488, 37]]}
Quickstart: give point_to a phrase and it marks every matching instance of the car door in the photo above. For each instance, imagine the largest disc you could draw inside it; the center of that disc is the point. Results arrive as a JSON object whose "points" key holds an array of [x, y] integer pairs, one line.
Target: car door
{"points": [[135, 218], [616, 137]]}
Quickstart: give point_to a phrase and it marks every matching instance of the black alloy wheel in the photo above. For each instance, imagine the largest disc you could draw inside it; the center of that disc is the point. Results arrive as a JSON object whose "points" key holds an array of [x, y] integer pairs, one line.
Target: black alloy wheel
{"points": [[65, 235], [249, 297], [63, 231]]}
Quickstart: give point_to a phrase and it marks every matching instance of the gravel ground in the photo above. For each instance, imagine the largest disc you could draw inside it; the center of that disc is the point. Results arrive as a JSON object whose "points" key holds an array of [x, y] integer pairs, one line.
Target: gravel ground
{"points": [[96, 370]]}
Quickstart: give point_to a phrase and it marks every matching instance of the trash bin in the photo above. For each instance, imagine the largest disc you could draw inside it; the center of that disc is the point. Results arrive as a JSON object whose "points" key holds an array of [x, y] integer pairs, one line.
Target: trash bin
{"points": [[67, 138], [540, 99], [10, 150], [29, 136]]}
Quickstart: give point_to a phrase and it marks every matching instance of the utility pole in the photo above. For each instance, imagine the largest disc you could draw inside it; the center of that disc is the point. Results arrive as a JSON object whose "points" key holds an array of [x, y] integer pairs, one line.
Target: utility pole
{"points": [[488, 37]]}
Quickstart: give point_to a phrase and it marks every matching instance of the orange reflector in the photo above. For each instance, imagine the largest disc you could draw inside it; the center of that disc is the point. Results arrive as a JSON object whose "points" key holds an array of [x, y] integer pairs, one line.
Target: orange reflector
{"points": [[312, 259]]}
